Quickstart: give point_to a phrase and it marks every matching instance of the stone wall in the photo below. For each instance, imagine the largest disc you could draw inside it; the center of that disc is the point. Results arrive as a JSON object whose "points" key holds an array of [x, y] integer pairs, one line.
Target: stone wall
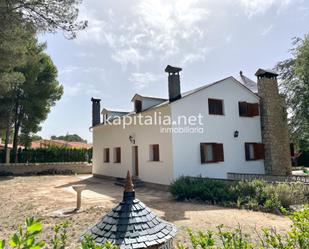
{"points": [[274, 127], [45, 168]]}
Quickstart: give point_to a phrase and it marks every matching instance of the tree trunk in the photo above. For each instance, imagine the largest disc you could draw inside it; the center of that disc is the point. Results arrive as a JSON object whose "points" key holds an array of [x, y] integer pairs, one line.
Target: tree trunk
{"points": [[16, 129], [7, 133]]}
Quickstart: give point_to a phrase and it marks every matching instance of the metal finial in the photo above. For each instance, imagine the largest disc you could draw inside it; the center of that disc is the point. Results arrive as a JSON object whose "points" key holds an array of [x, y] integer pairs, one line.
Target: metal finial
{"points": [[129, 187]]}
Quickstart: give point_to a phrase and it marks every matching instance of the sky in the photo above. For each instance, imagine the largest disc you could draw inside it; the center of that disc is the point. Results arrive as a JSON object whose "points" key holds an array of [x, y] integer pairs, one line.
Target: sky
{"points": [[128, 44]]}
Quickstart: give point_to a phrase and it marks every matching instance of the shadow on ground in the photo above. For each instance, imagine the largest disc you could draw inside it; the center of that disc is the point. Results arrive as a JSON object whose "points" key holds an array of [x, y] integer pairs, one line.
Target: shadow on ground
{"points": [[159, 200]]}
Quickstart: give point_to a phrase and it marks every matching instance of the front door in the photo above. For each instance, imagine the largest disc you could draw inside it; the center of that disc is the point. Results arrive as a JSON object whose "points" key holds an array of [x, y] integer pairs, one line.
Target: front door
{"points": [[134, 160]]}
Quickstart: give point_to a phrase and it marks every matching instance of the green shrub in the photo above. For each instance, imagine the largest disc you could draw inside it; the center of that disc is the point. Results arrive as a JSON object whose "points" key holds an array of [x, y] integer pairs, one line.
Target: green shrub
{"points": [[296, 238], [28, 238], [250, 194], [187, 188]]}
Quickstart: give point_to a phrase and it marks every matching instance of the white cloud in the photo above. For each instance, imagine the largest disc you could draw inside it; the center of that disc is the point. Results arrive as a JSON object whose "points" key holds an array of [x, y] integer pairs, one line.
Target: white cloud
{"points": [[149, 30], [142, 80], [80, 89], [254, 7], [267, 30], [79, 69]]}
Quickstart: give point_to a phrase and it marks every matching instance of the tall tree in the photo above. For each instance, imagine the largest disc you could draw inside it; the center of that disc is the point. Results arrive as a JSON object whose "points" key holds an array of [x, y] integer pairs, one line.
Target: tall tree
{"points": [[294, 82], [45, 15], [35, 97]]}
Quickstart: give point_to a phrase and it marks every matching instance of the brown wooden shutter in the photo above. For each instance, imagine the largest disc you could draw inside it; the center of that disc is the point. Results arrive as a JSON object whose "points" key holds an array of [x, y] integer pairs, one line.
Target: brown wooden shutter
{"points": [[253, 109], [106, 155], [118, 154], [156, 153], [202, 146], [243, 109], [218, 152], [258, 151], [247, 151], [215, 106]]}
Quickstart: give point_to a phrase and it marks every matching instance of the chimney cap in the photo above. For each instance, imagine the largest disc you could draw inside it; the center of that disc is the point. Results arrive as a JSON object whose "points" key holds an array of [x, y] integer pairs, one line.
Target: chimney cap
{"points": [[95, 99], [265, 73], [171, 69]]}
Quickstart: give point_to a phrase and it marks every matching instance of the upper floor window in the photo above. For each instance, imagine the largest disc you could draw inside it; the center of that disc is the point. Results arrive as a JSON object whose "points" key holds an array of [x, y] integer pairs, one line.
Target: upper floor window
{"points": [[248, 109], [138, 105], [211, 152], [117, 155], [106, 155], [154, 152], [215, 106], [254, 151]]}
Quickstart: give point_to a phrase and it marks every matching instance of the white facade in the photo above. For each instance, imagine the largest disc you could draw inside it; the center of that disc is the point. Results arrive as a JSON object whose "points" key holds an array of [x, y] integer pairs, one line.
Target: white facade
{"points": [[112, 136], [217, 129], [180, 152]]}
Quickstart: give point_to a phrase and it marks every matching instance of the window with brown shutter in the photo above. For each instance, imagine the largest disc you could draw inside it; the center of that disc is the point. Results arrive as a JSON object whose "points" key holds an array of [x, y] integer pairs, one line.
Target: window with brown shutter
{"points": [[106, 155], [138, 106], [215, 106], [211, 152], [117, 155], [248, 109], [154, 153], [254, 151]]}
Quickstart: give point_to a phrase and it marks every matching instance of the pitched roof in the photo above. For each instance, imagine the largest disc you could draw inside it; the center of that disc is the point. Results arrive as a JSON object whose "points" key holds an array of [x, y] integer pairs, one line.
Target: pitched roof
{"points": [[244, 81], [131, 224], [252, 85], [146, 97]]}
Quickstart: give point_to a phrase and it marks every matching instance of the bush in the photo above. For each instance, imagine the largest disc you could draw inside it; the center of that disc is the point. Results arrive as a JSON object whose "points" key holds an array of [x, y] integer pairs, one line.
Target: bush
{"points": [[250, 194], [187, 188], [28, 237], [296, 238], [50, 154]]}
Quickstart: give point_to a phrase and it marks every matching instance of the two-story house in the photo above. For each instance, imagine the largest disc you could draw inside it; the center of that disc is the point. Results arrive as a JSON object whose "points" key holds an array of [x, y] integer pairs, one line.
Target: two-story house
{"points": [[232, 125]]}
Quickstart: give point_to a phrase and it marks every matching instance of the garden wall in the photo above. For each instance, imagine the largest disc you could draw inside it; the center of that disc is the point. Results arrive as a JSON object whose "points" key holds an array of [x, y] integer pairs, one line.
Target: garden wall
{"points": [[268, 178], [45, 168]]}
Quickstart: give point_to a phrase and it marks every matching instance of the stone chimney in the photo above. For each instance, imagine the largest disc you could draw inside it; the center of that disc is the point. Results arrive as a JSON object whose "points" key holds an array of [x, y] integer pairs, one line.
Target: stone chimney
{"points": [[274, 126], [95, 111], [173, 82]]}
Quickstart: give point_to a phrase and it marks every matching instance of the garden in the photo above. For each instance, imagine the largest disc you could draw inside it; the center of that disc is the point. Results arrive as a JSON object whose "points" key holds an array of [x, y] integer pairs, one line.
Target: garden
{"points": [[43, 197], [254, 195]]}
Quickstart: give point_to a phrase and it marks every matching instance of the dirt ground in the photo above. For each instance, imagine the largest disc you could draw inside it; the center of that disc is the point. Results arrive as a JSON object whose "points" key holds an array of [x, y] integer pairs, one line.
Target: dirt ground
{"points": [[40, 196]]}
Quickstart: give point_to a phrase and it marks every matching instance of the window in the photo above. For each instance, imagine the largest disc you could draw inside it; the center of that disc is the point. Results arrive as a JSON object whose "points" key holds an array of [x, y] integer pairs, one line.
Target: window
{"points": [[211, 152], [138, 106], [106, 155], [215, 106], [154, 153], [248, 109], [254, 151], [117, 155]]}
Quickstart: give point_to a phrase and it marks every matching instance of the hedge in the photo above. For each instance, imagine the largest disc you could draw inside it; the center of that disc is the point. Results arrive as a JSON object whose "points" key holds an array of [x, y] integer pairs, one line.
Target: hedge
{"points": [[51, 154]]}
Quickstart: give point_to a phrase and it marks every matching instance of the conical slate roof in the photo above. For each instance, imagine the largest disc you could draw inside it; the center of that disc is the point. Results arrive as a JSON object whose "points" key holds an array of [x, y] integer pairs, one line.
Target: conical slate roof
{"points": [[131, 224]]}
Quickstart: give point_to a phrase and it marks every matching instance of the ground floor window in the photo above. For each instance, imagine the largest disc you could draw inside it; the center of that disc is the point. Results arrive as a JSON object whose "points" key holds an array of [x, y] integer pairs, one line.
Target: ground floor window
{"points": [[154, 152], [254, 151], [117, 155], [106, 155], [211, 152]]}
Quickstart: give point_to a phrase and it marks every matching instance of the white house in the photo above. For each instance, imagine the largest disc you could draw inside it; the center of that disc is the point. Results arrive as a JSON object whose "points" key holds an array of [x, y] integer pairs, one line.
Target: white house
{"points": [[207, 132]]}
